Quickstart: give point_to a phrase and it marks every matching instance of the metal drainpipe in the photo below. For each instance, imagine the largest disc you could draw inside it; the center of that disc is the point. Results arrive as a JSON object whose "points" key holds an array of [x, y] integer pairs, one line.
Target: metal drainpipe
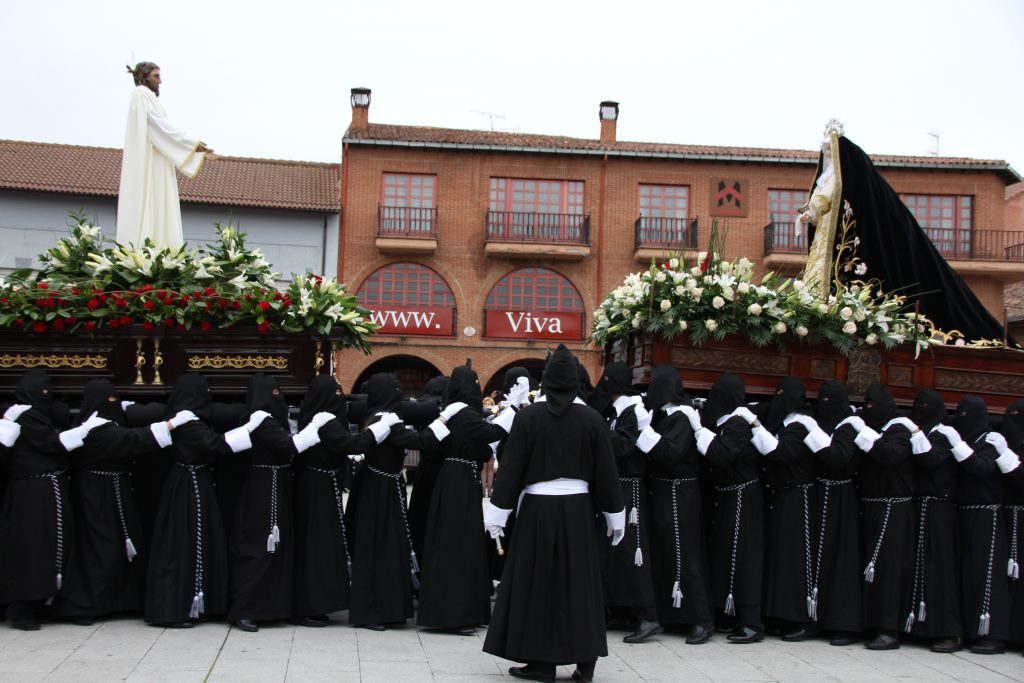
{"points": [[342, 201]]}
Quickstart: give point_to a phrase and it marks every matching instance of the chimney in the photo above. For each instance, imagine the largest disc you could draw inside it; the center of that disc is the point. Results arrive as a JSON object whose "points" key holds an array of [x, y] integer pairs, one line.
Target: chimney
{"points": [[360, 108], [608, 112]]}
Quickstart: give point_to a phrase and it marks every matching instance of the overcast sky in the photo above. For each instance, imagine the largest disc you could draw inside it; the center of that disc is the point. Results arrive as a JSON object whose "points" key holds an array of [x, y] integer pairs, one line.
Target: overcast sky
{"points": [[272, 79]]}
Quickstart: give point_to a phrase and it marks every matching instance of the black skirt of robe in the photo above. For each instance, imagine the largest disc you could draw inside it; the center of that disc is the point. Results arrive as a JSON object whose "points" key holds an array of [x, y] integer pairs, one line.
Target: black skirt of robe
{"points": [[171, 574], [455, 574], [625, 583], [839, 576], [381, 578], [1016, 585], [422, 493], [940, 561], [747, 583], [977, 550], [886, 598], [321, 583], [549, 606], [679, 530], [789, 553]]}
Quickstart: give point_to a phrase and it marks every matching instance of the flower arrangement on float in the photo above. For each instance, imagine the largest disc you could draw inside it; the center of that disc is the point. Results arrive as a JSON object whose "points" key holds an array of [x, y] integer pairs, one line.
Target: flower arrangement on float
{"points": [[85, 286], [714, 297]]}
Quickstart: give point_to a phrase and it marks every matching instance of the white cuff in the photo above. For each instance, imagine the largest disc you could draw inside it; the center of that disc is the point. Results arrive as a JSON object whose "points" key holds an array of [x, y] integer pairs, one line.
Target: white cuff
{"points": [[496, 515], [238, 439], [1008, 461], [648, 440], [161, 433], [704, 438], [919, 443], [962, 451], [73, 438], [15, 411], [615, 520], [763, 440], [306, 438], [380, 431], [866, 438], [9, 432], [817, 439], [440, 429], [504, 419]]}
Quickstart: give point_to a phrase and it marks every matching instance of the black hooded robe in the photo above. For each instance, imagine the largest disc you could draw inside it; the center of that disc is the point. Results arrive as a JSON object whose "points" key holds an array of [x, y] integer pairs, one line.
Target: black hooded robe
{"points": [[1012, 428]]}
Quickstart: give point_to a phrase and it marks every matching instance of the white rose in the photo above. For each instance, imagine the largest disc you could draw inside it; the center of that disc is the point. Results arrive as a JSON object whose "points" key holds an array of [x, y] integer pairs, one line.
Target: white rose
{"points": [[718, 302], [708, 279], [798, 285], [728, 293], [636, 322], [673, 263], [665, 304], [754, 309], [726, 267], [822, 308], [682, 324], [697, 291], [859, 315], [680, 290], [850, 327], [845, 313], [660, 277], [701, 255], [779, 327], [801, 331], [871, 339], [743, 288], [711, 325], [695, 271], [691, 283]]}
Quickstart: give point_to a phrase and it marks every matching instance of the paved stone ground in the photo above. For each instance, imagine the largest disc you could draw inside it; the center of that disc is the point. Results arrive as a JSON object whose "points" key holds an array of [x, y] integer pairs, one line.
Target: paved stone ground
{"points": [[128, 650]]}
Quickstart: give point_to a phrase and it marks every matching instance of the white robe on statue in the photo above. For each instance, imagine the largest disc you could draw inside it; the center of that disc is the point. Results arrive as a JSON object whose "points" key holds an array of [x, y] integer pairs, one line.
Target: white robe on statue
{"points": [[147, 204]]}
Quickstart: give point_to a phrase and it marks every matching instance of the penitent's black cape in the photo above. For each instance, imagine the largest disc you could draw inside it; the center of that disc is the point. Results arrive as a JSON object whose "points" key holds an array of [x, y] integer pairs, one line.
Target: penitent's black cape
{"points": [[898, 252]]}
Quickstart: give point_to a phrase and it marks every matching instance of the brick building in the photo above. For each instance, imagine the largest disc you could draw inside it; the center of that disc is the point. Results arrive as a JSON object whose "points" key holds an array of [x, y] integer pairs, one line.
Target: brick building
{"points": [[493, 246]]}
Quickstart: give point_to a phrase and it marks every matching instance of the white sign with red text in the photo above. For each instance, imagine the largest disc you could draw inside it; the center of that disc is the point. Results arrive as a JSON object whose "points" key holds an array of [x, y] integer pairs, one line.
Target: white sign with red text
{"points": [[504, 324], [409, 320]]}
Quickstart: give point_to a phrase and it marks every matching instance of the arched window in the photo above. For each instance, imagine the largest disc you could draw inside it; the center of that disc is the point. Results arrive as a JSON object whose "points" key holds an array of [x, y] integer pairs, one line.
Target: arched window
{"points": [[534, 303], [409, 298]]}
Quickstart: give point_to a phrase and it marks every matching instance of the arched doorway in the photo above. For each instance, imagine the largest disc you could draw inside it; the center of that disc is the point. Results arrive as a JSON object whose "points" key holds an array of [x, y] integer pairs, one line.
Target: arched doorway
{"points": [[534, 365], [412, 372]]}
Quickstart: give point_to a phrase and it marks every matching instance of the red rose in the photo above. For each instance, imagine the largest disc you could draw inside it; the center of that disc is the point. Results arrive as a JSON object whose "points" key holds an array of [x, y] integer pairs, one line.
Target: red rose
{"points": [[97, 290], [93, 304], [90, 325], [223, 303], [146, 288], [70, 321], [149, 305], [264, 326], [18, 322], [160, 294], [317, 280], [126, 320], [169, 322], [210, 291], [204, 326], [181, 326], [58, 324], [114, 324], [236, 305], [197, 295], [121, 302], [277, 296], [102, 297], [76, 291], [248, 297], [263, 292], [39, 326], [207, 305], [146, 325], [264, 305], [169, 301], [43, 285], [5, 300]]}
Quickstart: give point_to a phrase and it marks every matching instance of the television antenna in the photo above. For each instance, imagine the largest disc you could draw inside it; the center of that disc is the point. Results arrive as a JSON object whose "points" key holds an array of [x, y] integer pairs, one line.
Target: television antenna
{"points": [[490, 115], [935, 135]]}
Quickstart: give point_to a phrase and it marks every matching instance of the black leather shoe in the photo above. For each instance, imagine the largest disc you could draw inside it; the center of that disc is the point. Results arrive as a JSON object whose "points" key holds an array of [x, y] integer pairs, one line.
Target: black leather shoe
{"points": [[178, 624], [842, 639], [986, 646], [82, 621], [700, 634], [25, 624], [578, 675], [530, 673], [727, 629], [799, 635], [645, 630], [883, 641], [312, 622], [374, 627], [744, 634], [247, 625], [946, 645]]}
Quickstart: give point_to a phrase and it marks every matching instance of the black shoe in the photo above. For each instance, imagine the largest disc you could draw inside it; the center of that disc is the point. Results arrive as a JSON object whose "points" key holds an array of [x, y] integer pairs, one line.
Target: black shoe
{"points": [[987, 647], [82, 621], [799, 635], [247, 625], [530, 673], [842, 639], [700, 634], [25, 624], [883, 641], [727, 629], [374, 627], [312, 622], [744, 634], [577, 675], [946, 645], [645, 630], [460, 631], [178, 624]]}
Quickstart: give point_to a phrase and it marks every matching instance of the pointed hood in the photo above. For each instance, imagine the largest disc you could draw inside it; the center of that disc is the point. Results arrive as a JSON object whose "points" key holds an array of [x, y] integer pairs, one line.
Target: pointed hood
{"points": [[971, 418], [879, 406], [560, 383], [1013, 425], [191, 392], [790, 397], [263, 393], [616, 380], [726, 395], [383, 393], [34, 389], [323, 396], [665, 388], [464, 387], [97, 399], [929, 410], [833, 405]]}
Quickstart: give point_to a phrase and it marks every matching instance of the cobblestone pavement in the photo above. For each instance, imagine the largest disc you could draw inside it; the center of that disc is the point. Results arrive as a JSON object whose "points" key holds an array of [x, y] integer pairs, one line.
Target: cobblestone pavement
{"points": [[128, 650]]}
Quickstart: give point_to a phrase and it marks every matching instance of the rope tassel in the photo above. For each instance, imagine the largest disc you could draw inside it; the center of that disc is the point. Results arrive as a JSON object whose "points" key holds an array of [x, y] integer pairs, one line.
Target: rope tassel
{"points": [[730, 605], [271, 546], [983, 624], [193, 612], [638, 557], [60, 580], [909, 625], [677, 596], [1013, 569], [277, 534], [129, 549], [634, 516], [869, 572], [922, 613]]}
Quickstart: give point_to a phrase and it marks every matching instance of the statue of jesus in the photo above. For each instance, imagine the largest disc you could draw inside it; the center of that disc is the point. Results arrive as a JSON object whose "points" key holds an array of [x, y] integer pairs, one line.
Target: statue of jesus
{"points": [[147, 204]]}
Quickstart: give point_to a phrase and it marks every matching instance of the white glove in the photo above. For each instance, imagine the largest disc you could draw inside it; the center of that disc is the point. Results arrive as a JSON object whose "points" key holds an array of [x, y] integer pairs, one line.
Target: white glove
{"points": [[309, 436], [616, 523], [866, 438], [380, 430], [390, 419], [952, 436], [451, 409], [125, 404], [1008, 461], [95, 421], [905, 421], [692, 416], [763, 440], [806, 420], [643, 417], [73, 438], [647, 440], [997, 440], [745, 413], [704, 438], [857, 422], [519, 393], [9, 432], [495, 519], [255, 420], [919, 443], [817, 439], [182, 417], [15, 411], [320, 419]]}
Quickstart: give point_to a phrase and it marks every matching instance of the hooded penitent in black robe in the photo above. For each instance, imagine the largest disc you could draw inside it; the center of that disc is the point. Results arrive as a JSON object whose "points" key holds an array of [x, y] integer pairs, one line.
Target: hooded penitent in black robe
{"points": [[626, 568], [384, 564], [261, 541], [1012, 429], [935, 597], [148, 475], [838, 563], [737, 536], [886, 478], [899, 252], [456, 579], [791, 526], [187, 576], [105, 573], [36, 518], [322, 576], [497, 561], [984, 547], [549, 606], [679, 563], [428, 469]]}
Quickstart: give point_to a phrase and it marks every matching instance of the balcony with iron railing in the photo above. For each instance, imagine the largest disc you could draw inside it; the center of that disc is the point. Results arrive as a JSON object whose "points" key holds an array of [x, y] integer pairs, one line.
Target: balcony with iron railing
{"points": [[655, 237], [406, 230], [551, 235]]}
